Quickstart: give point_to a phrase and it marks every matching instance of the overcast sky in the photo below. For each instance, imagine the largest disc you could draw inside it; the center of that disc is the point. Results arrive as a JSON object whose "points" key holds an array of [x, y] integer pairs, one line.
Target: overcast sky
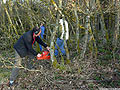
{"points": [[4, 1], [8, 0]]}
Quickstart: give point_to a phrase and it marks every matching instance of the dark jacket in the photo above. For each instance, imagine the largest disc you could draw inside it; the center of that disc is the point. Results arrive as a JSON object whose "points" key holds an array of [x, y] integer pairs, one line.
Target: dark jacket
{"points": [[24, 44]]}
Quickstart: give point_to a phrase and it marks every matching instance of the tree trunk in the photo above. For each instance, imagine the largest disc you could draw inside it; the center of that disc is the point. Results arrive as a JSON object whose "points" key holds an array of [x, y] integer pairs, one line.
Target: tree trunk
{"points": [[117, 26], [87, 26], [102, 23], [77, 27]]}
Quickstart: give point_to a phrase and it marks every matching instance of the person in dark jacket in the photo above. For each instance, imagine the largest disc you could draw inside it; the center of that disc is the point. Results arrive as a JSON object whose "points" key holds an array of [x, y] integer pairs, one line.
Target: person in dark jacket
{"points": [[23, 48]]}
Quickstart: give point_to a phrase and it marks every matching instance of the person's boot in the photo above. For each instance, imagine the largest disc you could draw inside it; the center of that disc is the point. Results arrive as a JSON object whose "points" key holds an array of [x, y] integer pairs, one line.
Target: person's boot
{"points": [[11, 83]]}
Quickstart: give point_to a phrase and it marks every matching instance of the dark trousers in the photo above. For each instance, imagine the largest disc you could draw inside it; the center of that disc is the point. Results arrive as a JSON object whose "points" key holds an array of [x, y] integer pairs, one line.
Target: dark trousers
{"points": [[18, 63]]}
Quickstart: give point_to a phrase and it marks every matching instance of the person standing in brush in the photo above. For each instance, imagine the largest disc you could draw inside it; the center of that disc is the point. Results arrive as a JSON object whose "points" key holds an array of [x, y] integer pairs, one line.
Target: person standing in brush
{"points": [[42, 27], [23, 48]]}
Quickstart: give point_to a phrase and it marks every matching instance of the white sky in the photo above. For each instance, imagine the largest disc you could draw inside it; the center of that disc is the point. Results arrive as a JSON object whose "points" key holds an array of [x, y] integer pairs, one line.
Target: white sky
{"points": [[8, 0], [4, 1]]}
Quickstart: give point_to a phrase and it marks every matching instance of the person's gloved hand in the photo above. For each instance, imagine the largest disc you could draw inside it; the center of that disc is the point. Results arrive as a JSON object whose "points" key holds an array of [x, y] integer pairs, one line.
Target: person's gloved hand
{"points": [[38, 55], [48, 48]]}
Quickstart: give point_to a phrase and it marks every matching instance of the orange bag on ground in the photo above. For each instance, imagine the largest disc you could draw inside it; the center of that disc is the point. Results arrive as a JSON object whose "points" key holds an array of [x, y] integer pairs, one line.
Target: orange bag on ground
{"points": [[44, 55]]}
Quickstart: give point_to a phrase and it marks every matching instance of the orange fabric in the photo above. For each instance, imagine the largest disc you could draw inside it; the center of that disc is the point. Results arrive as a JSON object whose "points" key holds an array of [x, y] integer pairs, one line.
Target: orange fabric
{"points": [[44, 55]]}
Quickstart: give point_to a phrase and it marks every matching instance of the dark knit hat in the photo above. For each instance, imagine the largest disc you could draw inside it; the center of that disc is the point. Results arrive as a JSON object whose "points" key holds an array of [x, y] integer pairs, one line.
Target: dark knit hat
{"points": [[36, 30]]}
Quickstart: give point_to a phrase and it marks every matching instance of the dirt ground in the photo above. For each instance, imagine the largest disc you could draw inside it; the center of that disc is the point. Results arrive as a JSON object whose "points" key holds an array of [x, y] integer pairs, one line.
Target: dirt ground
{"points": [[89, 74]]}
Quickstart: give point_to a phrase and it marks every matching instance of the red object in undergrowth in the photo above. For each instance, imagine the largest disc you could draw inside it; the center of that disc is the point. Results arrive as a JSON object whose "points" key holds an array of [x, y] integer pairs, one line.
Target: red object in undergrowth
{"points": [[45, 55]]}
